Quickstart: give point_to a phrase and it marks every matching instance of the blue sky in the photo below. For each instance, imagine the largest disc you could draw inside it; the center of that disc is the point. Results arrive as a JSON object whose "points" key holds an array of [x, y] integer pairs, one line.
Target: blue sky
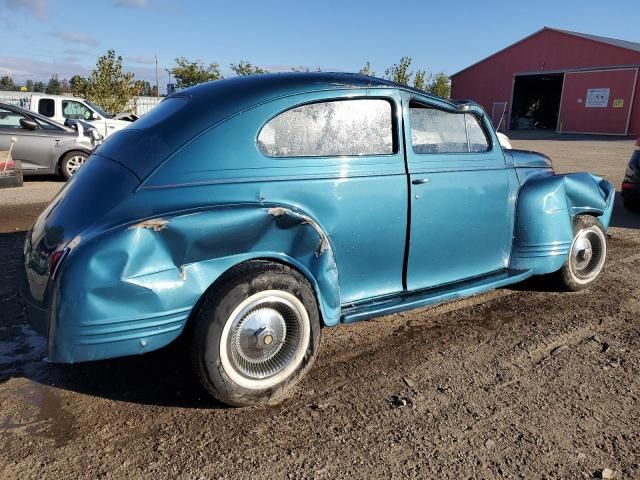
{"points": [[42, 37]]}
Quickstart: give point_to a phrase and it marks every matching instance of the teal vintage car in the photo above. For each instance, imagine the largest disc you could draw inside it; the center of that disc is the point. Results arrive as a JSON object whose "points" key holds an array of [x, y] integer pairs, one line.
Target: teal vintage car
{"points": [[249, 213]]}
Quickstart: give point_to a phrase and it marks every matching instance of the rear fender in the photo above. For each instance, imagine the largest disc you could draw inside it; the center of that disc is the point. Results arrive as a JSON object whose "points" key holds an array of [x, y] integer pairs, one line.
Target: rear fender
{"points": [[546, 207], [159, 268]]}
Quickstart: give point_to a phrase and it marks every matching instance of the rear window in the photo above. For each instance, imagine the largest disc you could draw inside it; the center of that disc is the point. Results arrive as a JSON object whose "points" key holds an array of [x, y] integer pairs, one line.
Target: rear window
{"points": [[46, 107], [439, 131], [333, 128]]}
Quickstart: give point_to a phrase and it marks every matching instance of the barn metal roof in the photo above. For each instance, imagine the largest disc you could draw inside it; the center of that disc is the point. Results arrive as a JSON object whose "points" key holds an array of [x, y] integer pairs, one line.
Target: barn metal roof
{"points": [[608, 40], [634, 46]]}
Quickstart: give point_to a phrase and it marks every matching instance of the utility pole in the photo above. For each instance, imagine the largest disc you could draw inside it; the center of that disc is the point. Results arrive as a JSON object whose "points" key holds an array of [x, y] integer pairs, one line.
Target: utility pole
{"points": [[157, 80]]}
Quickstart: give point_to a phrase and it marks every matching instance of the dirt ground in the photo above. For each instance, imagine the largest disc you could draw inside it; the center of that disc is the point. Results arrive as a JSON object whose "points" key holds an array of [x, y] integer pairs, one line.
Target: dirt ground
{"points": [[521, 382]]}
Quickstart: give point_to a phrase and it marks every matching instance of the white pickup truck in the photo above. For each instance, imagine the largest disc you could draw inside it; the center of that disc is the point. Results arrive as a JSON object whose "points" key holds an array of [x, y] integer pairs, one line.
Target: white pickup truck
{"points": [[60, 108]]}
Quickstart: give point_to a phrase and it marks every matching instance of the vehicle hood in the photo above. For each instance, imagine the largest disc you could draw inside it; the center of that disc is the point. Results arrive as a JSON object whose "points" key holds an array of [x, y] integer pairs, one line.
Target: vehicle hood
{"points": [[126, 117], [528, 159]]}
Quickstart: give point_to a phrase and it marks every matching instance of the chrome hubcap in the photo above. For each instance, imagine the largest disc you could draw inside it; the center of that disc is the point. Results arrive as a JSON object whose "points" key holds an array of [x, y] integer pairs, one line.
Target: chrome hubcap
{"points": [[74, 164], [588, 253], [265, 338]]}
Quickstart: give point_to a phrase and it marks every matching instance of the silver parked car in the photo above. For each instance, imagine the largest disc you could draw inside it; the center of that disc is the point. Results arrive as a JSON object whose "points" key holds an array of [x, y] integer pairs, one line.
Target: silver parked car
{"points": [[43, 146]]}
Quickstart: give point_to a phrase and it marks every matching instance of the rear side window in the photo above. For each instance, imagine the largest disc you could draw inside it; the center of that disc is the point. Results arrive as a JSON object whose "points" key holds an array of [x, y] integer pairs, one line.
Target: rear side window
{"points": [[334, 128], [438, 131], [46, 107]]}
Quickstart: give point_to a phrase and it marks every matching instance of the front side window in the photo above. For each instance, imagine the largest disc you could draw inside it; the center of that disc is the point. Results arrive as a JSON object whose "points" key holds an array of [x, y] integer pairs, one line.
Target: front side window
{"points": [[439, 131], [9, 119], [46, 107], [334, 128], [75, 110]]}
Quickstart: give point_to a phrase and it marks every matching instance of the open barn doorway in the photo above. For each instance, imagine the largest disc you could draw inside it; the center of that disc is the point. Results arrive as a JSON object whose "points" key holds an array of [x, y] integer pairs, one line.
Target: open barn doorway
{"points": [[536, 101]]}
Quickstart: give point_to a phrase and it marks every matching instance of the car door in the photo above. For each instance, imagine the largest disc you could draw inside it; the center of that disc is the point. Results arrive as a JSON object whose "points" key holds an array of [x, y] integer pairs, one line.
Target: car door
{"points": [[461, 208], [33, 147]]}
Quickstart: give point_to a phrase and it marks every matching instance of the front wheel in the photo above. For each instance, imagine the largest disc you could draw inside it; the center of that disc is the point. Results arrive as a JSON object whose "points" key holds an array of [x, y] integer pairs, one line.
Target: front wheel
{"points": [[587, 255], [256, 334], [71, 163]]}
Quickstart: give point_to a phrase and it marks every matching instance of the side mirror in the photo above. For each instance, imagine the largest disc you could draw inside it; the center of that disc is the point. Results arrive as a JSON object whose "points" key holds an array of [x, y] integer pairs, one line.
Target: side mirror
{"points": [[28, 124], [95, 116]]}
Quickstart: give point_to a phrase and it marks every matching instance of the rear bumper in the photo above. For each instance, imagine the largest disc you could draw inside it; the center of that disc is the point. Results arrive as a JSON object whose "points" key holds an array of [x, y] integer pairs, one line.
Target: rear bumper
{"points": [[631, 194]]}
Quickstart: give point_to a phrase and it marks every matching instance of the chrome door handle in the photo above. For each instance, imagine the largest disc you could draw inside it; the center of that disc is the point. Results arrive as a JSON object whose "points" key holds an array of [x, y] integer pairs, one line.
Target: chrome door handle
{"points": [[420, 181]]}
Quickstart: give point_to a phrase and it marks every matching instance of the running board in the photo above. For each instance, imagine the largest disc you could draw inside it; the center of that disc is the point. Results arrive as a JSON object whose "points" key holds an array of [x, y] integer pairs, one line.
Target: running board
{"points": [[421, 298]]}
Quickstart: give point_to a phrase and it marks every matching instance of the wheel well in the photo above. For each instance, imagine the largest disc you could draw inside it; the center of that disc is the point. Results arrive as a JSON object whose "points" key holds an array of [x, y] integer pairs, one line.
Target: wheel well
{"points": [[230, 271], [77, 150]]}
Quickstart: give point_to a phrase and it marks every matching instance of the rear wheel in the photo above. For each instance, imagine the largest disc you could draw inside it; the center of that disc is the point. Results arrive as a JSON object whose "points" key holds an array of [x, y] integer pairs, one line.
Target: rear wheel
{"points": [[71, 163], [256, 334], [587, 255]]}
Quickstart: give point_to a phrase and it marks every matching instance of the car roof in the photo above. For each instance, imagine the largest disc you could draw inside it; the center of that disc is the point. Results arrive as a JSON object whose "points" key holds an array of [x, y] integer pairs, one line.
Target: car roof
{"points": [[30, 113], [272, 85]]}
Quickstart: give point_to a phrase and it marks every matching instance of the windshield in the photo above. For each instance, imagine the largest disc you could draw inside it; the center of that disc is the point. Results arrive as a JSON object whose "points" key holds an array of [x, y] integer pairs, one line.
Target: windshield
{"points": [[98, 109]]}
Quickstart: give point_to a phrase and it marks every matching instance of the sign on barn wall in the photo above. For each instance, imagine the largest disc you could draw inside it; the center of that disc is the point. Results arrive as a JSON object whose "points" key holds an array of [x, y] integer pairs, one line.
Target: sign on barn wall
{"points": [[597, 97]]}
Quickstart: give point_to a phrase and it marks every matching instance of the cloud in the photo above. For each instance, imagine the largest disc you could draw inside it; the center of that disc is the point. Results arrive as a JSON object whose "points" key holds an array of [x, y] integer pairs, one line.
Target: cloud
{"points": [[76, 37], [142, 60], [38, 8], [22, 69], [77, 51], [131, 3]]}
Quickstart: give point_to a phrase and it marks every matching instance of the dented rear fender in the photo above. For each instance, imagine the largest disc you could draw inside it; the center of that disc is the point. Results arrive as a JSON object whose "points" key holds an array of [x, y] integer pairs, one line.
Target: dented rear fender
{"points": [[159, 268]]}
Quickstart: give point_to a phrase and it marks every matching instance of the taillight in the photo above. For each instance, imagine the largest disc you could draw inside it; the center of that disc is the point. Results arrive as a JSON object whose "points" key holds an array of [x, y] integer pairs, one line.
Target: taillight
{"points": [[56, 260], [628, 185]]}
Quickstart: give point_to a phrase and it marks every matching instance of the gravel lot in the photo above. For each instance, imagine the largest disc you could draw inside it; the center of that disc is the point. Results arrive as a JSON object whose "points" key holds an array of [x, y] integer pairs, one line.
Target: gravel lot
{"points": [[520, 382]]}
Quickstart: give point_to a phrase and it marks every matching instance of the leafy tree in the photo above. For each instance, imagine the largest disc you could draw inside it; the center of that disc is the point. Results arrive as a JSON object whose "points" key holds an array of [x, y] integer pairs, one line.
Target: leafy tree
{"points": [[39, 87], [54, 87], [400, 73], [419, 81], [440, 85], [244, 69], [366, 70], [147, 90], [188, 73], [29, 84], [6, 83], [107, 85], [78, 85]]}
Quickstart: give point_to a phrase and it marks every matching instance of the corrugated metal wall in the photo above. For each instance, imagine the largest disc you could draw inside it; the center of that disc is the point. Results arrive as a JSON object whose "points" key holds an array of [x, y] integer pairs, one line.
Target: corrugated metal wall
{"points": [[597, 101]]}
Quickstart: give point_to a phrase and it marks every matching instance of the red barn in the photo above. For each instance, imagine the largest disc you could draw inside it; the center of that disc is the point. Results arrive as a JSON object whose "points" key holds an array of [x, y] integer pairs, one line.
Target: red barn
{"points": [[558, 80]]}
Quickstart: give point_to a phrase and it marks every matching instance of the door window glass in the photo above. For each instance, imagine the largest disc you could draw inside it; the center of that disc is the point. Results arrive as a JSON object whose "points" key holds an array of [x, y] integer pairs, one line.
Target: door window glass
{"points": [[9, 119], [439, 131], [477, 138], [75, 110]]}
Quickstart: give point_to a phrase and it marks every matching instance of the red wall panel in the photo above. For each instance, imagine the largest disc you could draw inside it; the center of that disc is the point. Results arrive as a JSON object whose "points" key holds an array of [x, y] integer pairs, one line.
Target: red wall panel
{"points": [[491, 80], [576, 116]]}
